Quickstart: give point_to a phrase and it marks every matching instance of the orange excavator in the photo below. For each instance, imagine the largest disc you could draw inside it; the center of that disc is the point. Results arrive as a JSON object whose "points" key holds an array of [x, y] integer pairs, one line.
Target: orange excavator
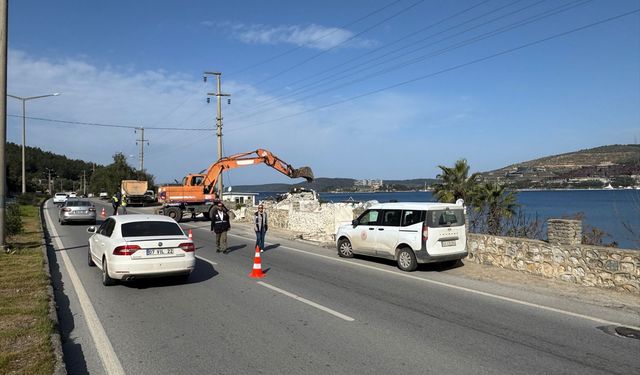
{"points": [[197, 195]]}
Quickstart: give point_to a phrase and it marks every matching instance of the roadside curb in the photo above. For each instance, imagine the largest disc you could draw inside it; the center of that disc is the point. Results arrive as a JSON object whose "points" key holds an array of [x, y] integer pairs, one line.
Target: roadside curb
{"points": [[59, 367]]}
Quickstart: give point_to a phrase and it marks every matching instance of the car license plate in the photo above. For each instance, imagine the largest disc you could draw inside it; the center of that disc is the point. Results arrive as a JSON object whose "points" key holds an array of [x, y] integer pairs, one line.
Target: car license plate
{"points": [[159, 251], [448, 243], [81, 212]]}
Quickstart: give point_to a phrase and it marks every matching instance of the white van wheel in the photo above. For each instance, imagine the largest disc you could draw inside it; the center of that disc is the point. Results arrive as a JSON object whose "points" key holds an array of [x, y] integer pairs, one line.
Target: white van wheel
{"points": [[344, 248], [407, 260]]}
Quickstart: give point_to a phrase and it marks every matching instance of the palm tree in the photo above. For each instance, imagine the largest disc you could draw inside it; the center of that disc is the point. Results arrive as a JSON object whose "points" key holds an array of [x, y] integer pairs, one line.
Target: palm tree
{"points": [[456, 184], [496, 202]]}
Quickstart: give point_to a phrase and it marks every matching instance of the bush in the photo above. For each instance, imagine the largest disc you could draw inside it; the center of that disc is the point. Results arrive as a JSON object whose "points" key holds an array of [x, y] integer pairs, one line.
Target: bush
{"points": [[29, 199], [13, 220]]}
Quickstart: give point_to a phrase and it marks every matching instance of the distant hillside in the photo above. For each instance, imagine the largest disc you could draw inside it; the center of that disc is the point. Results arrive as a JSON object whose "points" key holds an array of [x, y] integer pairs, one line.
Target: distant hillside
{"points": [[593, 167], [599, 157], [332, 184]]}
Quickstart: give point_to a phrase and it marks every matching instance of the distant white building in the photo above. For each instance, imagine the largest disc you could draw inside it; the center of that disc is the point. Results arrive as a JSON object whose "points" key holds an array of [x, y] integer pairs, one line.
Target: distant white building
{"points": [[247, 199], [372, 183]]}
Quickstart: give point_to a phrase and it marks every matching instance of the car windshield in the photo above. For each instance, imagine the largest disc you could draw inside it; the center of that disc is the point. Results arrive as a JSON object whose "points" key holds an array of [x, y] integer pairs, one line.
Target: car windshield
{"points": [[151, 228]]}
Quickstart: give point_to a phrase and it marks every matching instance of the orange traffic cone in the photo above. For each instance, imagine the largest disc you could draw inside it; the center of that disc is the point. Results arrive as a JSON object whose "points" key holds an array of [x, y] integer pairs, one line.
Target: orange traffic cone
{"points": [[103, 213], [257, 266], [190, 235]]}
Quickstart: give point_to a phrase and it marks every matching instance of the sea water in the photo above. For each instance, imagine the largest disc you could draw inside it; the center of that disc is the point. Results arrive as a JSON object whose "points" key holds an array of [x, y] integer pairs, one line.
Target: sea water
{"points": [[616, 212]]}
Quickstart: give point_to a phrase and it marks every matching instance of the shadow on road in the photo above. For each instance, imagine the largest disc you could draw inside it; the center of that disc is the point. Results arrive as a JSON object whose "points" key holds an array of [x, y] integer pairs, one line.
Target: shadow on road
{"points": [[231, 249], [428, 267], [203, 272], [271, 247]]}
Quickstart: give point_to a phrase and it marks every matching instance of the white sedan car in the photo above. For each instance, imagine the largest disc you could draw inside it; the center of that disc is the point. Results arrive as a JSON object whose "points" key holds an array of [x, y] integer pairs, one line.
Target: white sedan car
{"points": [[128, 247]]}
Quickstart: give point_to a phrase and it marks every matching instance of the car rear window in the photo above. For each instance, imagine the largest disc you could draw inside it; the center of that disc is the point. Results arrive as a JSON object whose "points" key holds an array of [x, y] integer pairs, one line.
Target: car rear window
{"points": [[151, 228], [445, 218], [79, 203]]}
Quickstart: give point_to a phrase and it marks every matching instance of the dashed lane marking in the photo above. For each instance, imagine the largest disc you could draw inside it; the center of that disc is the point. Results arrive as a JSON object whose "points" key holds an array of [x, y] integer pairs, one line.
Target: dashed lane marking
{"points": [[310, 303]]}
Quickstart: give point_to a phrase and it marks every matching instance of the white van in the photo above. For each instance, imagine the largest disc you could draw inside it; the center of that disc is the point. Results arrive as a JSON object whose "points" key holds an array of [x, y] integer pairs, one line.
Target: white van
{"points": [[407, 232]]}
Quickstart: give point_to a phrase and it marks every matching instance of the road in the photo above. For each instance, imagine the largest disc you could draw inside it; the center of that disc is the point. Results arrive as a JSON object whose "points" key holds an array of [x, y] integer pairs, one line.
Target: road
{"points": [[315, 313]]}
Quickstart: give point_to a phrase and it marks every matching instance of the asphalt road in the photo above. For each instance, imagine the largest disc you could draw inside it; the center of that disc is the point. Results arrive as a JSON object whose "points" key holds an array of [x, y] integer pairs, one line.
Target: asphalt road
{"points": [[315, 313]]}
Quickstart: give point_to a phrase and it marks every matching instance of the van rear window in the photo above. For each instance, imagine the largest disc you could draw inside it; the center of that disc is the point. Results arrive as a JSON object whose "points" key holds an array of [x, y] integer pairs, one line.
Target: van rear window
{"points": [[445, 218], [151, 228]]}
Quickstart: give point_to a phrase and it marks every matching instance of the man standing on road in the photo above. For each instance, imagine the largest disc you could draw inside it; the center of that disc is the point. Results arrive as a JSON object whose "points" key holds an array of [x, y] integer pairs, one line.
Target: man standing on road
{"points": [[260, 226], [115, 201], [220, 225]]}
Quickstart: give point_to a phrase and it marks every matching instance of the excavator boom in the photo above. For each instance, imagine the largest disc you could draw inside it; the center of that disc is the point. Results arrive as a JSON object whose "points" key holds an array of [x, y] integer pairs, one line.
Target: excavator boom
{"points": [[251, 158]]}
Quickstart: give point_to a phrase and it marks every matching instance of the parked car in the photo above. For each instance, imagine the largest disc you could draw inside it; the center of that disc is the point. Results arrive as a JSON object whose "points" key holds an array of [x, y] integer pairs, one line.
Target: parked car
{"points": [[77, 210], [72, 194], [128, 247], [409, 233], [103, 195], [59, 198]]}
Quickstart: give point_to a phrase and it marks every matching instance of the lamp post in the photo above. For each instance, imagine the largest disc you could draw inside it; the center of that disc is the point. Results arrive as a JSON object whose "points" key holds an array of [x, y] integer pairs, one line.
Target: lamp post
{"points": [[24, 136]]}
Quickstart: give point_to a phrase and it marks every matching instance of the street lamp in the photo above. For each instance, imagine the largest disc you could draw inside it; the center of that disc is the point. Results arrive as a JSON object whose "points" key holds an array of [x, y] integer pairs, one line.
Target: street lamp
{"points": [[24, 136]]}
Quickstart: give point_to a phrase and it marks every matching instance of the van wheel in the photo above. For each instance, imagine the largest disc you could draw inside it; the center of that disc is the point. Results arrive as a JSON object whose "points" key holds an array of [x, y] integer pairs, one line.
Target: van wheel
{"points": [[106, 279], [407, 260], [344, 248]]}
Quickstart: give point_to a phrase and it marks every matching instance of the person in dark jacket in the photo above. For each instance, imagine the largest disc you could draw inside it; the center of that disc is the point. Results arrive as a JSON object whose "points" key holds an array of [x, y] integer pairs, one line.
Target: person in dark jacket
{"points": [[260, 226], [220, 225]]}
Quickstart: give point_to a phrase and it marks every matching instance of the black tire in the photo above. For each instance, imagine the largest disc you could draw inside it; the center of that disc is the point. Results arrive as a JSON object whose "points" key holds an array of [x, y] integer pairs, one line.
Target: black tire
{"points": [[174, 213], [407, 260], [89, 260], [344, 248], [206, 215], [212, 212], [106, 279]]}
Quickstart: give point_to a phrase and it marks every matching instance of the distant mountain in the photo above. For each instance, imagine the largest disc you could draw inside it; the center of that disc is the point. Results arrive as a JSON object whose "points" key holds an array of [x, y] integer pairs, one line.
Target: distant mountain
{"points": [[616, 156], [605, 162]]}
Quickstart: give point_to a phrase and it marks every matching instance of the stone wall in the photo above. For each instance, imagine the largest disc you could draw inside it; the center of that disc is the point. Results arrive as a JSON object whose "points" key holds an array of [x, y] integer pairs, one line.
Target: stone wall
{"points": [[560, 258]]}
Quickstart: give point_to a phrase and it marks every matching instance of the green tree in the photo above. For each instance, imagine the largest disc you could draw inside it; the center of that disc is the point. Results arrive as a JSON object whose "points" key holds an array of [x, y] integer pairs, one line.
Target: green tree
{"points": [[455, 183], [496, 203]]}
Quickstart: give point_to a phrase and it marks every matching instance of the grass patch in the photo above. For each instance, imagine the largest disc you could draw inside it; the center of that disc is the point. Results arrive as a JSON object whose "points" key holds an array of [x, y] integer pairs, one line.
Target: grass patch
{"points": [[25, 327]]}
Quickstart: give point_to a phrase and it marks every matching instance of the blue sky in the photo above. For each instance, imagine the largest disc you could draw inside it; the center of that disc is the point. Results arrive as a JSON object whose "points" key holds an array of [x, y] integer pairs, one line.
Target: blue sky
{"points": [[355, 89]]}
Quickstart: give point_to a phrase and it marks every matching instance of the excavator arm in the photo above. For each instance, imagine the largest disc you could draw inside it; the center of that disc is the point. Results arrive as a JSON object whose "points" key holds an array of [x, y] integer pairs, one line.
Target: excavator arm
{"points": [[252, 158]]}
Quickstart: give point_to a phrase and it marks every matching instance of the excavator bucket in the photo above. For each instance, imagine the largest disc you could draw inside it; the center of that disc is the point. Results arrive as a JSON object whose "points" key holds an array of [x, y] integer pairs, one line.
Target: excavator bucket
{"points": [[304, 172]]}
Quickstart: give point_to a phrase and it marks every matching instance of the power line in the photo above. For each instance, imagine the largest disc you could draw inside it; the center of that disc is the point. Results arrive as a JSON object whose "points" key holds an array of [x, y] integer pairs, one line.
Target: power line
{"points": [[417, 59], [110, 125], [315, 40], [313, 57], [455, 67]]}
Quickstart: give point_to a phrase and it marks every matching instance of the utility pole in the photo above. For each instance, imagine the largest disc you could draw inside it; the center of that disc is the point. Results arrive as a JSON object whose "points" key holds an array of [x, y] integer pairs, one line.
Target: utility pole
{"points": [[49, 185], [4, 4], [142, 141], [84, 182], [219, 96]]}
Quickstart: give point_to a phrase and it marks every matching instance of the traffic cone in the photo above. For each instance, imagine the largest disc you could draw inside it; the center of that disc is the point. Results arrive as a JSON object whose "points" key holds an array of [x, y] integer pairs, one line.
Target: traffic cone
{"points": [[103, 214], [257, 266], [190, 235]]}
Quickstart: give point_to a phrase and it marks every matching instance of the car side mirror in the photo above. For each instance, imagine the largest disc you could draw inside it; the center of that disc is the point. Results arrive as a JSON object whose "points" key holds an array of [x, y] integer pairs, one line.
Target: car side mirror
{"points": [[91, 229], [354, 222]]}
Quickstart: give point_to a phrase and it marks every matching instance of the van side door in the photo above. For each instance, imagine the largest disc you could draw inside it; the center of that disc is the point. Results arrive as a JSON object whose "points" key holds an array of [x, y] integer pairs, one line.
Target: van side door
{"points": [[363, 239], [388, 232]]}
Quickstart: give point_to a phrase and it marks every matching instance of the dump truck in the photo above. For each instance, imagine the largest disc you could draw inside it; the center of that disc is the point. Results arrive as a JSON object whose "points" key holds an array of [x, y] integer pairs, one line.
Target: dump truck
{"points": [[135, 191], [197, 192]]}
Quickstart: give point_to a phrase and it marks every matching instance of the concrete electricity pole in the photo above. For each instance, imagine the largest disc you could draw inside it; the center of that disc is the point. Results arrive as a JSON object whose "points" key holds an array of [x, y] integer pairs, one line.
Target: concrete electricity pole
{"points": [[4, 4], [219, 96], [142, 141]]}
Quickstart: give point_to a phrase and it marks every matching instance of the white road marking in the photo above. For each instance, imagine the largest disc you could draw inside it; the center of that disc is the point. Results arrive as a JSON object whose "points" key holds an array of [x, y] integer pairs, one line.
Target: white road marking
{"points": [[468, 290], [486, 294], [107, 355], [207, 260], [310, 303]]}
